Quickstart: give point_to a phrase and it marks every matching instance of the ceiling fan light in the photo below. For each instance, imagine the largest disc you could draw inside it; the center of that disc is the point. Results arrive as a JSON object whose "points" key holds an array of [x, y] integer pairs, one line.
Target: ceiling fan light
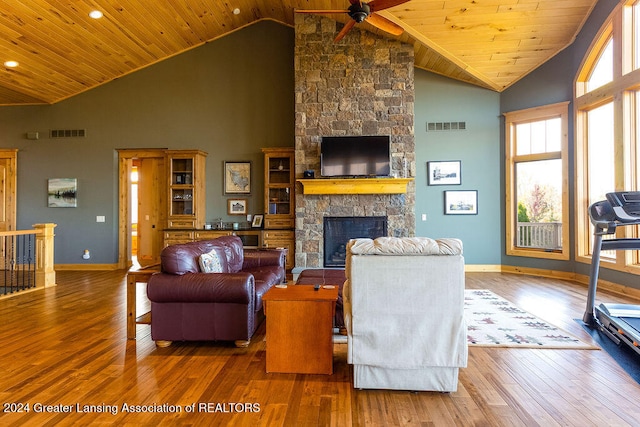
{"points": [[359, 11], [359, 16]]}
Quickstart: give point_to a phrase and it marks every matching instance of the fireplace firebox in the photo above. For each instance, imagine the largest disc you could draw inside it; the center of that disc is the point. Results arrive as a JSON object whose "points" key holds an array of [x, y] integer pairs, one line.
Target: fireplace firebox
{"points": [[339, 230]]}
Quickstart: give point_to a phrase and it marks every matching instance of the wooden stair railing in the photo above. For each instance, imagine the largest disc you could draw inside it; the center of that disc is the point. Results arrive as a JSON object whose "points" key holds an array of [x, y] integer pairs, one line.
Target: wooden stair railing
{"points": [[38, 257]]}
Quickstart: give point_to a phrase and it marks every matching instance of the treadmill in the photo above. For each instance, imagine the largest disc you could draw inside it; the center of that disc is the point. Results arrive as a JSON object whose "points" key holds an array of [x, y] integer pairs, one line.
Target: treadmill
{"points": [[620, 322]]}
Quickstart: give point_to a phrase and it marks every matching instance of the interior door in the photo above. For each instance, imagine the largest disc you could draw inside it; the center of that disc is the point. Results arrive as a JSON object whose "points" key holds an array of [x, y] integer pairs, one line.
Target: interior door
{"points": [[8, 189], [151, 216], [151, 203], [8, 181]]}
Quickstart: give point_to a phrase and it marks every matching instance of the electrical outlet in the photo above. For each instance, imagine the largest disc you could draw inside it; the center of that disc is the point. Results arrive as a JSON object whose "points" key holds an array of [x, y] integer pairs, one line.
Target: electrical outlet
{"points": [[100, 218], [424, 217]]}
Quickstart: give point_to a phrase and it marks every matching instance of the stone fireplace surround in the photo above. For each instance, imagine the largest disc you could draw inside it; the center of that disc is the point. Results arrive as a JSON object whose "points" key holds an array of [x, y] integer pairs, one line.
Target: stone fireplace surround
{"points": [[363, 85]]}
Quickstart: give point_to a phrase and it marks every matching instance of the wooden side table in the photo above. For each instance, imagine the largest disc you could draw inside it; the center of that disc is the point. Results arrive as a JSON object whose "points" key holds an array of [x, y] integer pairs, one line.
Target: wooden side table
{"points": [[135, 276], [300, 329]]}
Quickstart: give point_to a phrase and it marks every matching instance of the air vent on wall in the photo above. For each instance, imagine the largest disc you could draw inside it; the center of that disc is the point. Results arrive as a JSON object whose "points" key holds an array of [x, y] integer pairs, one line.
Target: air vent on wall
{"points": [[68, 133], [444, 126]]}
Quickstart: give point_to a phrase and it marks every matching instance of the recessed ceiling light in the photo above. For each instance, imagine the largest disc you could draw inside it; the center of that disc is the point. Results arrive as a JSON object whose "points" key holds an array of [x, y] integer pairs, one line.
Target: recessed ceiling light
{"points": [[11, 64], [95, 14], [236, 11]]}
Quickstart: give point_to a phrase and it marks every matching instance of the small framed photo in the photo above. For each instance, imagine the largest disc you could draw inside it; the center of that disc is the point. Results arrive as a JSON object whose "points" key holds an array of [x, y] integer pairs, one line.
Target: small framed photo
{"points": [[462, 202], [237, 206], [257, 221], [237, 177], [62, 193], [444, 172]]}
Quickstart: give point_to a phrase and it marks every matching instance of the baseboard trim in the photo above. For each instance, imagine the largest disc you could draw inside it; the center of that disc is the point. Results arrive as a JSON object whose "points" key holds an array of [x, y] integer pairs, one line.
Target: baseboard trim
{"points": [[540, 272], [86, 267], [482, 268]]}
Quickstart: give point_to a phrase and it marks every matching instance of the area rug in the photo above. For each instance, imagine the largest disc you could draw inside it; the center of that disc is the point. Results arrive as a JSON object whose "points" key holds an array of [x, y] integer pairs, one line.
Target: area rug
{"points": [[492, 321]]}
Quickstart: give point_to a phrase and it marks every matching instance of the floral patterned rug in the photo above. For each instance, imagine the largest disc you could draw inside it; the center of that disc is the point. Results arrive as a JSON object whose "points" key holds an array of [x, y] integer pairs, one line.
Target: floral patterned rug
{"points": [[492, 321]]}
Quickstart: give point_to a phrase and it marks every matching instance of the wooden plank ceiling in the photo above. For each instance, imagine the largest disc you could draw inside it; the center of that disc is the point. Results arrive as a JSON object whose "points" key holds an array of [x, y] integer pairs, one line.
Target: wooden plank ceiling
{"points": [[61, 51]]}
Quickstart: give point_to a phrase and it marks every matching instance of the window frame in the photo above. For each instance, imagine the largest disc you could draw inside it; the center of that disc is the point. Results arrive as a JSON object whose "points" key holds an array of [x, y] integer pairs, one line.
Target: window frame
{"points": [[512, 119], [621, 91]]}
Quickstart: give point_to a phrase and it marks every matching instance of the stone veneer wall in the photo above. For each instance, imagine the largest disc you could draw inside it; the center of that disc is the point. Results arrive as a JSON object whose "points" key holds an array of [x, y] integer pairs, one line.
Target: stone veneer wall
{"points": [[363, 85]]}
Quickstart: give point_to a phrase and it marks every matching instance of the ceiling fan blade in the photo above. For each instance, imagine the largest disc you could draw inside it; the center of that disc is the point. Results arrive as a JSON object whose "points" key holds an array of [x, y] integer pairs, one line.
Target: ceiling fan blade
{"points": [[378, 5], [321, 11], [347, 27], [384, 24]]}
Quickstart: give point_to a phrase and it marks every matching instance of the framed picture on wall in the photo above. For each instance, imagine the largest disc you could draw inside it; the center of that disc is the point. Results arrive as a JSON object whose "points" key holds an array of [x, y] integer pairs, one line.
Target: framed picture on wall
{"points": [[444, 172], [237, 177], [461, 202], [62, 193], [237, 206]]}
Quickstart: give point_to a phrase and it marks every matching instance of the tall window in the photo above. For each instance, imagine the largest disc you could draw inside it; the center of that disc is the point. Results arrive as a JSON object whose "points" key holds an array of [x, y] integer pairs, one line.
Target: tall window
{"points": [[600, 149], [608, 127], [537, 204], [636, 35]]}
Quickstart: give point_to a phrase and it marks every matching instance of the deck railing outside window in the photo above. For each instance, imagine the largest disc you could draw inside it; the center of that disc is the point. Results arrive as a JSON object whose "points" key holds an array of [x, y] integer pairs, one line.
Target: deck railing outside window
{"points": [[539, 235]]}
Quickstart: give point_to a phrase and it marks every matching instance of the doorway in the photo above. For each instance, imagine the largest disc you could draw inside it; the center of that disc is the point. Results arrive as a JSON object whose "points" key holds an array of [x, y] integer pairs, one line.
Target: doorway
{"points": [[8, 181], [142, 213]]}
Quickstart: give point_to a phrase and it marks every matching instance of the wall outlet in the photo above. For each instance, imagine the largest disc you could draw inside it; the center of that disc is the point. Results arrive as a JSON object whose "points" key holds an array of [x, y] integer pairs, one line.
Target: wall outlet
{"points": [[424, 217], [100, 218]]}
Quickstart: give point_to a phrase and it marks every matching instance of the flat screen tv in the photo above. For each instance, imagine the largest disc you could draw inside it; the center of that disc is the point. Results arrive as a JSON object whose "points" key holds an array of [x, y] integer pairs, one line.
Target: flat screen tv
{"points": [[355, 156]]}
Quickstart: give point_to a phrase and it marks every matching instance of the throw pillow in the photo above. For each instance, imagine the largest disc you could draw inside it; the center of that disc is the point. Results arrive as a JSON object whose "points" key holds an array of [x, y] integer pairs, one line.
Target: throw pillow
{"points": [[210, 263]]}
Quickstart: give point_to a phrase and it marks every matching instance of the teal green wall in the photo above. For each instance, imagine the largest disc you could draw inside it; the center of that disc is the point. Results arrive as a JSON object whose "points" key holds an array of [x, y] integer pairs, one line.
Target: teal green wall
{"points": [[439, 99], [230, 98]]}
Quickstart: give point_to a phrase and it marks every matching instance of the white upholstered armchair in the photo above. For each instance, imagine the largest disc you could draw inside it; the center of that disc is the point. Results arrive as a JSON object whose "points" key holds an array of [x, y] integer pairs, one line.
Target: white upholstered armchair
{"points": [[404, 313]]}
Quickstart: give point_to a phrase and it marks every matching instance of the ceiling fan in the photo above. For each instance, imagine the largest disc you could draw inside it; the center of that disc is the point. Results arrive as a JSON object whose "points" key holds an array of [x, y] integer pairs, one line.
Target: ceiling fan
{"points": [[360, 11]]}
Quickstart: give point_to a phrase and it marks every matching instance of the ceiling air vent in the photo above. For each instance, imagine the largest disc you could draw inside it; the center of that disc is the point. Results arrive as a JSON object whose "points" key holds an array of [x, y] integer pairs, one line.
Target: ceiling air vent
{"points": [[68, 133], [445, 126]]}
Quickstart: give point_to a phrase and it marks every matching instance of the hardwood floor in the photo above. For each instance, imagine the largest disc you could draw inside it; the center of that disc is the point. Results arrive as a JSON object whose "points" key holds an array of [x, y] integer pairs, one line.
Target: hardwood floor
{"points": [[67, 346]]}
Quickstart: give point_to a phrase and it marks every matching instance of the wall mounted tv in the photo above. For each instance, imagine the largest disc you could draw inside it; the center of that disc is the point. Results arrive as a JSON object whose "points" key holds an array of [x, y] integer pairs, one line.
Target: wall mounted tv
{"points": [[355, 156]]}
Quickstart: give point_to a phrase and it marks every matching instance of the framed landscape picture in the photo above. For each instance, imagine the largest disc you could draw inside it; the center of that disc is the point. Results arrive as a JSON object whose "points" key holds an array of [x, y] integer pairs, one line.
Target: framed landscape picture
{"points": [[444, 172], [62, 193], [461, 202], [237, 177]]}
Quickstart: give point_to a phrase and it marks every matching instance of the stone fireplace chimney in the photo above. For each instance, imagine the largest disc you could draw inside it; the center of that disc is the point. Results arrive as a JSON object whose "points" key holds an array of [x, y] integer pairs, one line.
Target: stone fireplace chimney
{"points": [[363, 85]]}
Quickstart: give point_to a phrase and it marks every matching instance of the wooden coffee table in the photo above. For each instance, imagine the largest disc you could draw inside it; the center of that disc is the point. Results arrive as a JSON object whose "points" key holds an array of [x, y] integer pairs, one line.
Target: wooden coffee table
{"points": [[300, 329]]}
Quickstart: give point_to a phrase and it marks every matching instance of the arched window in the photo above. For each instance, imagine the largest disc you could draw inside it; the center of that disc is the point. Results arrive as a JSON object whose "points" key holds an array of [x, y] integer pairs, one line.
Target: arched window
{"points": [[607, 127]]}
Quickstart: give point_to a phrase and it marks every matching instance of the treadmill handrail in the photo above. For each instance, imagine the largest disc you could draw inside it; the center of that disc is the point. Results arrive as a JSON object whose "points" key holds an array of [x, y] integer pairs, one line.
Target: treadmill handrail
{"points": [[619, 209]]}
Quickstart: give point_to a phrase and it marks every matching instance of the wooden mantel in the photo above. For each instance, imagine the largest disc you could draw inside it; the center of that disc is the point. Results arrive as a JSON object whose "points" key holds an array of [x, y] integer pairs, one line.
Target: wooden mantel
{"points": [[355, 185]]}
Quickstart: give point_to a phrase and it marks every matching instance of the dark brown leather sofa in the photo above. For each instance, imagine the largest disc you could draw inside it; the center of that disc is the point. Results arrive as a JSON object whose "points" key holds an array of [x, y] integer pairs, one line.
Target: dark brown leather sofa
{"points": [[189, 305]]}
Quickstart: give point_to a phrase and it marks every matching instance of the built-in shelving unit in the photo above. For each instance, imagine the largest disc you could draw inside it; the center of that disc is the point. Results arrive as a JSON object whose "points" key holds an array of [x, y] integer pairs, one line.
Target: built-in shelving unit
{"points": [[355, 185], [279, 200], [186, 188]]}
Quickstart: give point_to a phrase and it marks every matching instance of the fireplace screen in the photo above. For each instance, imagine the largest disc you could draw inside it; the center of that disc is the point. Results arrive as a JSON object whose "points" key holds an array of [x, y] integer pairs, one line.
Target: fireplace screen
{"points": [[338, 231]]}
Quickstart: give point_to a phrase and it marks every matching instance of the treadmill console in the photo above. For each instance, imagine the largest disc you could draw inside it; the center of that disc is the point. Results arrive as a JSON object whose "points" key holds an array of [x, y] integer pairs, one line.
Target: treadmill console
{"points": [[625, 205]]}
